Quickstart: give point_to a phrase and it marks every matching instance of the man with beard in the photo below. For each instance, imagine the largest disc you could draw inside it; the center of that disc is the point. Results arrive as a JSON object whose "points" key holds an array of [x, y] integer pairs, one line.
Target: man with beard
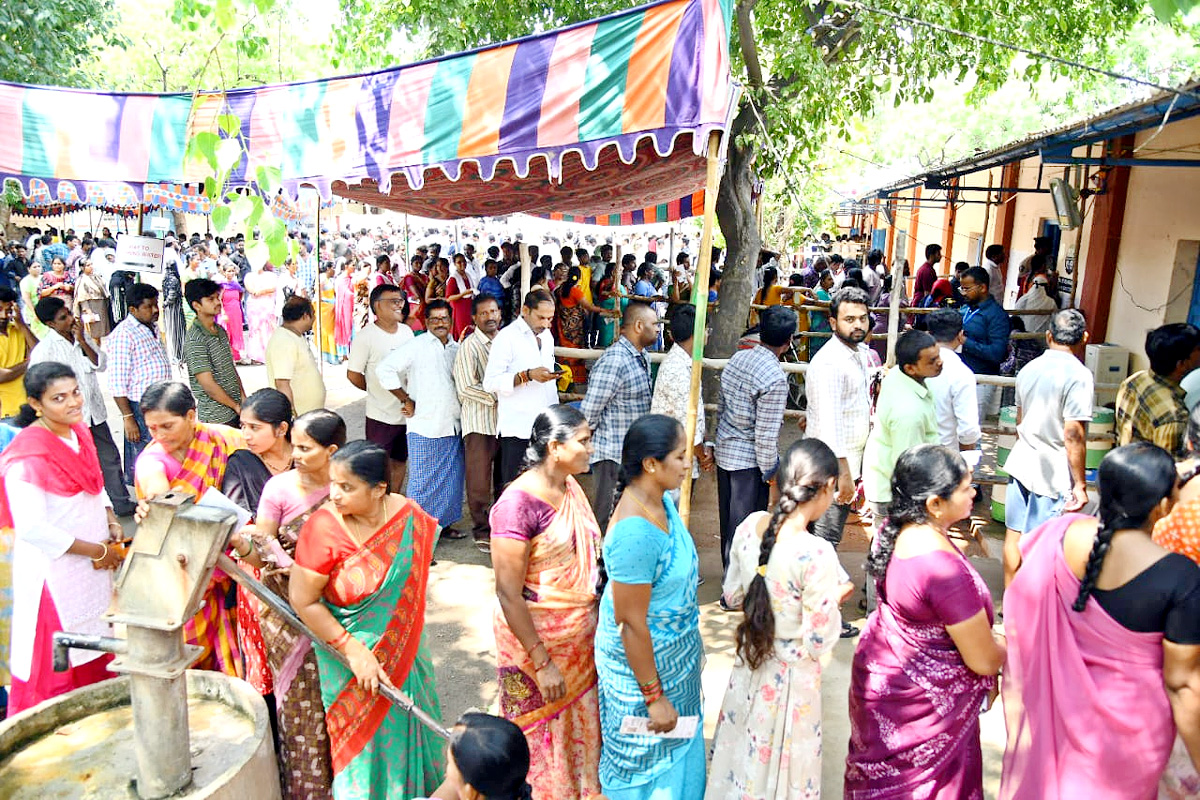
{"points": [[480, 445], [839, 404]]}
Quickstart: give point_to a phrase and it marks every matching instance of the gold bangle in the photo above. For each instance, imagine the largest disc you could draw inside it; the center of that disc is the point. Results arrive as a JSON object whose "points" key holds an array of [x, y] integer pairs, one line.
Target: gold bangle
{"points": [[103, 555]]}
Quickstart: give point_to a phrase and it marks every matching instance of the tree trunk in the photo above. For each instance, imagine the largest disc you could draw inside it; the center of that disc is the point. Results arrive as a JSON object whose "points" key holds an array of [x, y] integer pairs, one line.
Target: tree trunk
{"points": [[5, 217], [180, 220], [735, 214]]}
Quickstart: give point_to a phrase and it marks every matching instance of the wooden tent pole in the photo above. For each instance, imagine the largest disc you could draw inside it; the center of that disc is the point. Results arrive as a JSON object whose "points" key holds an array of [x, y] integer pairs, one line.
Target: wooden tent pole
{"points": [[894, 310], [700, 300]]}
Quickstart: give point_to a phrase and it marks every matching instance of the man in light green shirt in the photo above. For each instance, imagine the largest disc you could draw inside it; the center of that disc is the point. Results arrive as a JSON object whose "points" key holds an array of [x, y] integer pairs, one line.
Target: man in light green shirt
{"points": [[904, 415]]}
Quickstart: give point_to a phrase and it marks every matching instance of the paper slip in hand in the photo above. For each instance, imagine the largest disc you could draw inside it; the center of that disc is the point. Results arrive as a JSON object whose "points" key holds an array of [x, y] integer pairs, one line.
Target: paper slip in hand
{"points": [[214, 499], [685, 727]]}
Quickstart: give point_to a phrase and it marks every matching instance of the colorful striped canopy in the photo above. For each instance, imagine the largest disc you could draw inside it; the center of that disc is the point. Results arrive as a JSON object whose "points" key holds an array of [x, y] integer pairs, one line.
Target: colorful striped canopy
{"points": [[604, 118]]}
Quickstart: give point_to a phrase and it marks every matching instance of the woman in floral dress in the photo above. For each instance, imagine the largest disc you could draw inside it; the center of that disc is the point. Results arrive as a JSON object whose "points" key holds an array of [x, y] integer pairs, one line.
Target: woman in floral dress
{"points": [[768, 739]]}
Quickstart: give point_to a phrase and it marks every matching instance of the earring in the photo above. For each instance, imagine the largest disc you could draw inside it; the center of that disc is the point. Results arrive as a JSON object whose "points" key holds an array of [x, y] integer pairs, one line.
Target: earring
{"points": [[38, 413]]}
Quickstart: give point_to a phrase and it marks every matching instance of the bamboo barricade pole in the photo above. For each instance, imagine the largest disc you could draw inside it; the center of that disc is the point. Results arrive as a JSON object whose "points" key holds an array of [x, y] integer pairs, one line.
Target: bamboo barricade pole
{"points": [[700, 301], [894, 311]]}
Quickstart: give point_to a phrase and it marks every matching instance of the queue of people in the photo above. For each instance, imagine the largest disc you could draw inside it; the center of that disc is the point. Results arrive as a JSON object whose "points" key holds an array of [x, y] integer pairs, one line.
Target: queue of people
{"points": [[599, 651]]}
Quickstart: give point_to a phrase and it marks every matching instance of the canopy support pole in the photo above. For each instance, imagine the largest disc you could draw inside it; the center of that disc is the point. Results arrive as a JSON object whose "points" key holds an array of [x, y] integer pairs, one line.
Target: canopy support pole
{"points": [[700, 300], [316, 289], [894, 310]]}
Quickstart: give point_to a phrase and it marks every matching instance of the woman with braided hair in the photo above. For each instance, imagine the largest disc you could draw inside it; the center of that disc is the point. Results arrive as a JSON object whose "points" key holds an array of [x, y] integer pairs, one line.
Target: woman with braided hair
{"points": [[768, 739], [1104, 628], [927, 660]]}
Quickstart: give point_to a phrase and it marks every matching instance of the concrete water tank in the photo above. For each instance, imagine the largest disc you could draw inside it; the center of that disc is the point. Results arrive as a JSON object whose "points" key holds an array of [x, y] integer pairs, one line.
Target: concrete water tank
{"points": [[81, 745]]}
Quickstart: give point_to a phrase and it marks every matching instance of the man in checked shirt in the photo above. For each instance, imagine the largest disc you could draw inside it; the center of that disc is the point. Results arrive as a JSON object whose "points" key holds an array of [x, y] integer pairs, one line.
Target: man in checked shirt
{"points": [[749, 415], [618, 393]]}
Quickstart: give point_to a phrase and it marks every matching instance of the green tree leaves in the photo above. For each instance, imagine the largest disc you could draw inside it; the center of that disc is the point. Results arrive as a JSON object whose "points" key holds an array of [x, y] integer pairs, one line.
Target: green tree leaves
{"points": [[48, 41]]}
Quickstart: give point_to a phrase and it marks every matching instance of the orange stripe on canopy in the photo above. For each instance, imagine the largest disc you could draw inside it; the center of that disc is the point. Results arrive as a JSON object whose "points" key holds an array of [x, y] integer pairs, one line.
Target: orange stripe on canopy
{"points": [[483, 110], [650, 68]]}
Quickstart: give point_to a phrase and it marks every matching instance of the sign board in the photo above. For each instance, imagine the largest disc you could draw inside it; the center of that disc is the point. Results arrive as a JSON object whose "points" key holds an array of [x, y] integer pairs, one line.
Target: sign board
{"points": [[139, 253], [160, 224]]}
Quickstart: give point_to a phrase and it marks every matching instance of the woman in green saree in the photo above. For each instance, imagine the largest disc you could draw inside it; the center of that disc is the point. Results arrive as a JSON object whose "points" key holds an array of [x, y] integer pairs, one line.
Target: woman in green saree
{"points": [[362, 561]]}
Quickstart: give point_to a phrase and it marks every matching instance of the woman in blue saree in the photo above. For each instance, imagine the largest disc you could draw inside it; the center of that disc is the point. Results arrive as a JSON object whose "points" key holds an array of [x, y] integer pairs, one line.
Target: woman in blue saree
{"points": [[648, 648]]}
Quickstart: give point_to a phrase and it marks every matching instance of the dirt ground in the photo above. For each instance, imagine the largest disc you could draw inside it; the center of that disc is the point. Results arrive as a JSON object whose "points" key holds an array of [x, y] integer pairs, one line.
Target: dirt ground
{"points": [[461, 600]]}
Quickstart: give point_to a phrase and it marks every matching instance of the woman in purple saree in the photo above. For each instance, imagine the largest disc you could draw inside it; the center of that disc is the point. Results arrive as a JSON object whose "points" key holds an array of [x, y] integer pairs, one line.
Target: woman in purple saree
{"points": [[927, 660], [1104, 633]]}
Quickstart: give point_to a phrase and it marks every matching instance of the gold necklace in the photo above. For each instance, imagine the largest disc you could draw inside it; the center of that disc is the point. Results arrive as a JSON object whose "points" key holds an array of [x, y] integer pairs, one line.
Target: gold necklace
{"points": [[358, 526], [651, 513]]}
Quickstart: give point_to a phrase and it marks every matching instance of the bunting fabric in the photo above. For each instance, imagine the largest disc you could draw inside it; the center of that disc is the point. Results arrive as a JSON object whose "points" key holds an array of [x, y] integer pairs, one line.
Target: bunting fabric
{"points": [[605, 119]]}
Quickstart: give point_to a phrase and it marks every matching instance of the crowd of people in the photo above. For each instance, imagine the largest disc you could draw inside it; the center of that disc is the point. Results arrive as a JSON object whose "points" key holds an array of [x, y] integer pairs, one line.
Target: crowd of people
{"points": [[599, 652]]}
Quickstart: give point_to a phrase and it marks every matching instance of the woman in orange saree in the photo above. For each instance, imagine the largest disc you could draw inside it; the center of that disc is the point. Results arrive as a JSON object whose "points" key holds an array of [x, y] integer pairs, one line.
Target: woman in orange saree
{"points": [[545, 545], [191, 457], [361, 566]]}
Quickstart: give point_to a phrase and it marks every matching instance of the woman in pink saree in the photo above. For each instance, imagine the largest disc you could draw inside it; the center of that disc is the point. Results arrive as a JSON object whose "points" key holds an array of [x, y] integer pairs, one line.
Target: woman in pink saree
{"points": [[927, 659], [1103, 629], [545, 550], [343, 308]]}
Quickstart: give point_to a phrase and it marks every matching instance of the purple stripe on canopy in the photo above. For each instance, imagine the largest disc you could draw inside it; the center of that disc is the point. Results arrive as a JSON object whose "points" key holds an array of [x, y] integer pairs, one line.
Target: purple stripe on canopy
{"points": [[373, 120], [683, 98], [241, 104], [526, 86]]}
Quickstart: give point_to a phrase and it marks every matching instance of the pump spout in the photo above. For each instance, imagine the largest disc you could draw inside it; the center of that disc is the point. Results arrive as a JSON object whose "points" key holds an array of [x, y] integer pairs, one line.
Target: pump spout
{"points": [[64, 642]]}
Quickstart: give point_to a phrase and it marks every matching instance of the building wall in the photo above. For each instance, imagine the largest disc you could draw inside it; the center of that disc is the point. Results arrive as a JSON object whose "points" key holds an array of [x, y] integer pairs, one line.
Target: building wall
{"points": [[1156, 262], [1160, 237]]}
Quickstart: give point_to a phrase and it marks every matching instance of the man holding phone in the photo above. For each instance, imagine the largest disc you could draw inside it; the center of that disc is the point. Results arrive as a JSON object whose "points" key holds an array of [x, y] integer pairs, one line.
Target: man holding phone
{"points": [[521, 373]]}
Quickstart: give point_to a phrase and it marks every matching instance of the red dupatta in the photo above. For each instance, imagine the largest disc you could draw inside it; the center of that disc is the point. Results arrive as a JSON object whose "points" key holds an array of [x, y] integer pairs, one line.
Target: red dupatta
{"points": [[61, 470]]}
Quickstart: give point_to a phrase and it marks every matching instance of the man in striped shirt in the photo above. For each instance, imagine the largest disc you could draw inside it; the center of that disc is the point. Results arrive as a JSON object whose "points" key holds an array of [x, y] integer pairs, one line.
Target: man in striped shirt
{"points": [[215, 381], [480, 442]]}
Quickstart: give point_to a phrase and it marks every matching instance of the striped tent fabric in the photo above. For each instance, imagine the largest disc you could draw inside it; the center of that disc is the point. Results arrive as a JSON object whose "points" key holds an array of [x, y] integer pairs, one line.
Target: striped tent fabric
{"points": [[609, 118]]}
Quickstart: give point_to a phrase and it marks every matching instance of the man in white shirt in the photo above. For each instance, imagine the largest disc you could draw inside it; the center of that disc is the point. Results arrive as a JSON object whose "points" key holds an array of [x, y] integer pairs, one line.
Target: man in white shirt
{"points": [[66, 343], [672, 389], [1047, 465], [520, 372], [474, 267], [420, 374], [954, 395], [993, 257], [372, 344], [291, 367], [839, 402]]}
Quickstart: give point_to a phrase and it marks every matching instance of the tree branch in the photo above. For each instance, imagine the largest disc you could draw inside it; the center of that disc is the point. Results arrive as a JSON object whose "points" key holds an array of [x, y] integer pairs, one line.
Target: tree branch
{"points": [[746, 43]]}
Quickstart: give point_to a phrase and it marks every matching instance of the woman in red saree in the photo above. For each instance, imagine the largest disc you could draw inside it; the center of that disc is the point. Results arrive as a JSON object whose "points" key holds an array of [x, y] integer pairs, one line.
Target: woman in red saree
{"points": [[545, 547], [359, 582], [1103, 632], [191, 457], [63, 525], [414, 285]]}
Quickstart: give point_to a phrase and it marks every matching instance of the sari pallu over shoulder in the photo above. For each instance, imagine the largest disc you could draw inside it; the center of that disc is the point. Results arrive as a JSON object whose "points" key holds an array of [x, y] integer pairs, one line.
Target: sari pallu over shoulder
{"points": [[378, 595], [915, 710], [560, 591], [560, 594], [203, 466], [1084, 703]]}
